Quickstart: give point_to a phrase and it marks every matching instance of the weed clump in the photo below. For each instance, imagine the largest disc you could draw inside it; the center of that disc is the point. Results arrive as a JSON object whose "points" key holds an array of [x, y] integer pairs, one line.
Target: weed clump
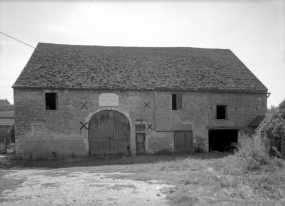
{"points": [[273, 128], [199, 148], [253, 154]]}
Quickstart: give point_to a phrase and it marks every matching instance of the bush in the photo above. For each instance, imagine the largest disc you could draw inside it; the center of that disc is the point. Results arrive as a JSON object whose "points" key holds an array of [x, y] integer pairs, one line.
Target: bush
{"points": [[199, 148], [11, 148], [252, 152], [273, 127]]}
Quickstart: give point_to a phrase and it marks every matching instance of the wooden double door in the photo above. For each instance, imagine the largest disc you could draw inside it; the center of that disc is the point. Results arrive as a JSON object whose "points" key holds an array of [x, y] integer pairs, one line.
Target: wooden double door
{"points": [[109, 133], [183, 141]]}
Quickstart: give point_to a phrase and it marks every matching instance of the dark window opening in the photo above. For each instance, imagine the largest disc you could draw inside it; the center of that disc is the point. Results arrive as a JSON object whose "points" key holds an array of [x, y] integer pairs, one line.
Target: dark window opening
{"points": [[223, 140], [51, 101], [176, 101], [221, 111]]}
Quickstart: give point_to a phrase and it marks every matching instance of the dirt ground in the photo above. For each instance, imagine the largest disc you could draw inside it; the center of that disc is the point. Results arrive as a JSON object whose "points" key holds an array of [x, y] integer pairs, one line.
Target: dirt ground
{"points": [[47, 186], [147, 180]]}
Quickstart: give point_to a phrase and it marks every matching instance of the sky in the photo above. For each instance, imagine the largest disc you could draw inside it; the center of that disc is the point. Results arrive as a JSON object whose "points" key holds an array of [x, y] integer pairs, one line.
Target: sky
{"points": [[252, 29]]}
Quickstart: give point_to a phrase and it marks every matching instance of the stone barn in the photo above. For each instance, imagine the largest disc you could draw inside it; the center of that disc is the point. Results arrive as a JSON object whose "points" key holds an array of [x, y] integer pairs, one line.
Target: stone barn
{"points": [[99, 100]]}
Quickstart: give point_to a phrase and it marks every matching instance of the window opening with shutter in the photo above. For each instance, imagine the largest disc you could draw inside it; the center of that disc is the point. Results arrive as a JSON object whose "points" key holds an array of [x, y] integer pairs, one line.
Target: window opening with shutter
{"points": [[176, 101]]}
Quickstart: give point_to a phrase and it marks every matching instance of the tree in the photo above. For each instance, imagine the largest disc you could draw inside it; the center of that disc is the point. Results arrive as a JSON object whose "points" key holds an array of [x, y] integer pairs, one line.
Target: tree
{"points": [[271, 110], [273, 127]]}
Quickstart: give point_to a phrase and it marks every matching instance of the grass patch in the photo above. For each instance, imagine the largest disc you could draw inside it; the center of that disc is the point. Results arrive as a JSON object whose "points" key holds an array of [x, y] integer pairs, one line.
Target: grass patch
{"points": [[198, 179]]}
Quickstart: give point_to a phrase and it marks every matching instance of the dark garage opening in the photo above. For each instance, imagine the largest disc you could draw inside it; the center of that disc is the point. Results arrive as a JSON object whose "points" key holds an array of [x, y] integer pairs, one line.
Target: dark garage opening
{"points": [[221, 140]]}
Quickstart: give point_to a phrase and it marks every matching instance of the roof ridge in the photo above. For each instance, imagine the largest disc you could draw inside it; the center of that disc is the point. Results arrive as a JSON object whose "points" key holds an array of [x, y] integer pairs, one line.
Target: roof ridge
{"points": [[108, 46]]}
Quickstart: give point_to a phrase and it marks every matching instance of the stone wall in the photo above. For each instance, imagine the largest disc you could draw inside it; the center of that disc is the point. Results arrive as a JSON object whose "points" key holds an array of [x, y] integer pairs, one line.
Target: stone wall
{"points": [[41, 132]]}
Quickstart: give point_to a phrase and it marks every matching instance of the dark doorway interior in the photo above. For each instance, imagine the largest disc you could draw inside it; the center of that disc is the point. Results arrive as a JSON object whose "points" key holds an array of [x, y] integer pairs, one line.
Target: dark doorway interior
{"points": [[222, 140]]}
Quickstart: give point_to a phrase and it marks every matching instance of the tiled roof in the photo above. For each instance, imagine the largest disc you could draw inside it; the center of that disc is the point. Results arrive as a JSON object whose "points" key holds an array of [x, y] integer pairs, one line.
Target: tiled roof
{"points": [[6, 107], [6, 122], [4, 102], [138, 68], [256, 121]]}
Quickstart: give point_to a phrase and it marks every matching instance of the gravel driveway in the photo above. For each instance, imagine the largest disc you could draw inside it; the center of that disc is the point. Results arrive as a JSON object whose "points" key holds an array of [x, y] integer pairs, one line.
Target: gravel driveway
{"points": [[62, 187]]}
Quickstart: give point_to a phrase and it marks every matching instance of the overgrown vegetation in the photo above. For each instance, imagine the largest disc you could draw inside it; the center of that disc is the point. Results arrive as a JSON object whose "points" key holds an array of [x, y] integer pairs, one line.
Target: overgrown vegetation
{"points": [[11, 148], [261, 175], [253, 153], [273, 127], [199, 148], [250, 176]]}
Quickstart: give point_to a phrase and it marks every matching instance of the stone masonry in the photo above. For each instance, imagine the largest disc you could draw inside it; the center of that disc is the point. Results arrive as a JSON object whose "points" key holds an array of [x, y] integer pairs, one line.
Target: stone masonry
{"points": [[41, 132]]}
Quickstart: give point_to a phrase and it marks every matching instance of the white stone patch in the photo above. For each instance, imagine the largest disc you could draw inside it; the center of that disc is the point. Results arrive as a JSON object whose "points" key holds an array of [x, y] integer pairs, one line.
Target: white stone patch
{"points": [[108, 100]]}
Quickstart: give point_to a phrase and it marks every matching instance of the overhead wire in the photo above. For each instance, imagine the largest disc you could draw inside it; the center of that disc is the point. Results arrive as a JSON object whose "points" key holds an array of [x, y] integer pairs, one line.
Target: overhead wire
{"points": [[17, 40]]}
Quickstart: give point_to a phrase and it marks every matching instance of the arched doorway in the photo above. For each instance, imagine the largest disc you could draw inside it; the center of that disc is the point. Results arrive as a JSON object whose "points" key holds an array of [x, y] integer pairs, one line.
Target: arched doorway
{"points": [[109, 133]]}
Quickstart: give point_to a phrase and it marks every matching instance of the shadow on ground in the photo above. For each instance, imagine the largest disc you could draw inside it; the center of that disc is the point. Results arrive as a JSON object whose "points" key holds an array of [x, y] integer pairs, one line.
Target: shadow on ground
{"points": [[9, 162]]}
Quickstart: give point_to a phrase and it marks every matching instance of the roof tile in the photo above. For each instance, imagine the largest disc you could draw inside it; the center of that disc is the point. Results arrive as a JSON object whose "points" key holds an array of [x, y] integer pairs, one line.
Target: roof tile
{"points": [[143, 68]]}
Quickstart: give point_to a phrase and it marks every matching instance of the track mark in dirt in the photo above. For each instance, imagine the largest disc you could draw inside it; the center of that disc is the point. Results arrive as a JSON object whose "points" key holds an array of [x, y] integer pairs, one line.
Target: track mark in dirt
{"points": [[60, 187]]}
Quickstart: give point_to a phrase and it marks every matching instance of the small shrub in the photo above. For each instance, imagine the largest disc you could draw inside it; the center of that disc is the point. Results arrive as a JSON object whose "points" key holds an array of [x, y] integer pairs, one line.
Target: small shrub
{"points": [[11, 148], [199, 148]]}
